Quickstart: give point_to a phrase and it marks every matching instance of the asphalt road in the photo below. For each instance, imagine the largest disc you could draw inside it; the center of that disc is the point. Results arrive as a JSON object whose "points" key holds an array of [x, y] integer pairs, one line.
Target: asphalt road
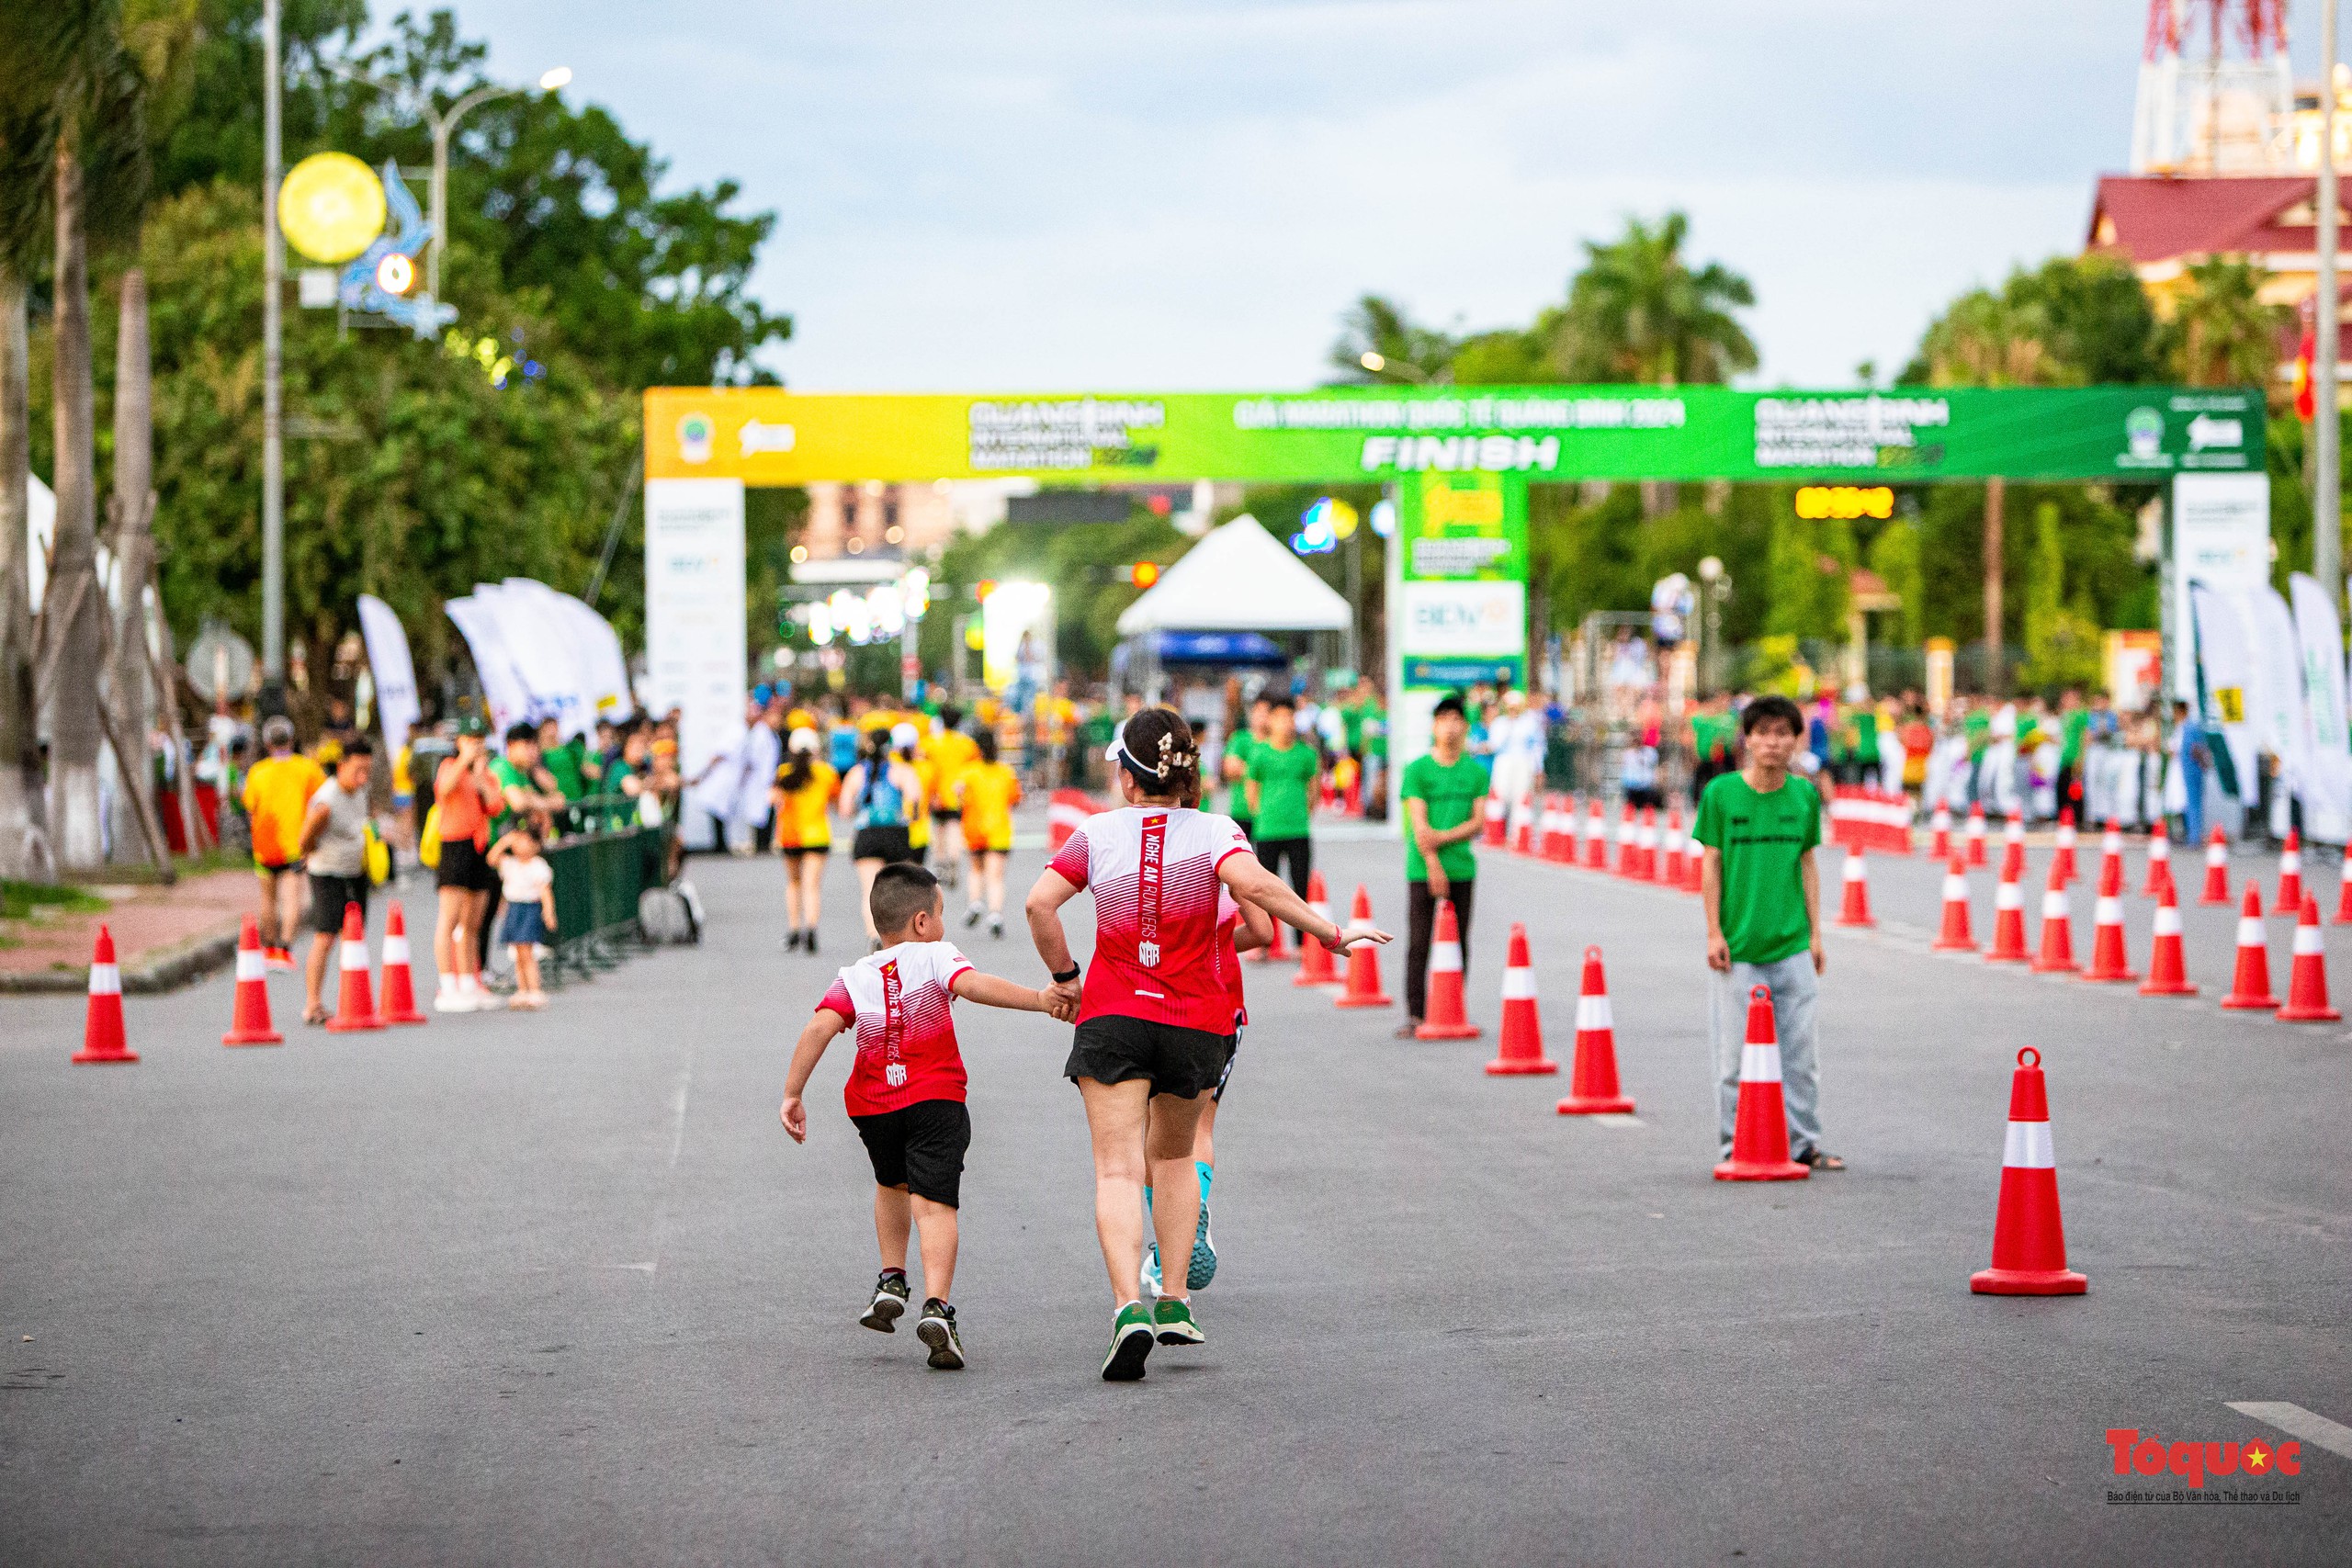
{"points": [[557, 1288]]}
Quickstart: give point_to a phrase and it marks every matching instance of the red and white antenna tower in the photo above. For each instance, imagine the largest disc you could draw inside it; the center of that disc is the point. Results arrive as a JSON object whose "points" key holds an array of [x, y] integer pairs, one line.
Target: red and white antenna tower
{"points": [[2228, 112]]}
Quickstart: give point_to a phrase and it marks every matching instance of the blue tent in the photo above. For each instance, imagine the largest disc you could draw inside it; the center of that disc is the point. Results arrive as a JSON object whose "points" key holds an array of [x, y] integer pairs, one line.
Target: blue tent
{"points": [[1247, 649]]}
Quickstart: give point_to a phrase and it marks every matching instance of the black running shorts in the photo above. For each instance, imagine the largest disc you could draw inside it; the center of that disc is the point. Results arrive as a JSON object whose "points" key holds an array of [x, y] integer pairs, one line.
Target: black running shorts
{"points": [[1111, 1049], [886, 844], [920, 1148]]}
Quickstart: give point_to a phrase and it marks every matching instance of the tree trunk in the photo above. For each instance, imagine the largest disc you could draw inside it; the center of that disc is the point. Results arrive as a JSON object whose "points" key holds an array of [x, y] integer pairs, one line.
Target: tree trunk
{"points": [[1995, 497], [130, 685], [75, 644], [24, 837]]}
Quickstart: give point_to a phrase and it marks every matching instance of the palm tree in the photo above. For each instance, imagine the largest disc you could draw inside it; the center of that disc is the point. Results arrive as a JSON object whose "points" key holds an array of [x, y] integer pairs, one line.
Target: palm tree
{"points": [[1378, 342], [94, 122], [1639, 312], [2221, 334], [1988, 340], [24, 166]]}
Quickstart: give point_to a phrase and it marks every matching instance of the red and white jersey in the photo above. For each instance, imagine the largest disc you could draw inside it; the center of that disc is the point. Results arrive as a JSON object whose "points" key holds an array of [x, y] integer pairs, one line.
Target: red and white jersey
{"points": [[898, 1001], [1158, 953]]}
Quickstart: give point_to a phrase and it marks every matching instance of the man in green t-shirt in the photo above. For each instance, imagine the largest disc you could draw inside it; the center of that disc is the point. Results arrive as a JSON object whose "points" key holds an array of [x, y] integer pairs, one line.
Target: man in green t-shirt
{"points": [[1762, 891], [1444, 795], [1236, 763], [1280, 779]]}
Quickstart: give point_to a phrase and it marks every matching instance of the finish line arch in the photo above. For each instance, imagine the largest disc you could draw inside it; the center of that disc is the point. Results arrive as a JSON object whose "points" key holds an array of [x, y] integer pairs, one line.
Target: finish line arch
{"points": [[1461, 456]]}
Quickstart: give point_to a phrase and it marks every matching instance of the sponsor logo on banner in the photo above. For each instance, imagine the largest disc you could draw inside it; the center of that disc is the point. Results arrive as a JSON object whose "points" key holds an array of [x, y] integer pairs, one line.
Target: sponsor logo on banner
{"points": [[695, 431], [1443, 618]]}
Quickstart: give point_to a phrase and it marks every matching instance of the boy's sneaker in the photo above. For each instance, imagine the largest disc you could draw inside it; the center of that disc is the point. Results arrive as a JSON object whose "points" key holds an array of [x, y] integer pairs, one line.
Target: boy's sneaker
{"points": [[1173, 1319], [972, 915], [889, 1305], [996, 926], [1130, 1344], [937, 1330], [1148, 1277], [1203, 1267]]}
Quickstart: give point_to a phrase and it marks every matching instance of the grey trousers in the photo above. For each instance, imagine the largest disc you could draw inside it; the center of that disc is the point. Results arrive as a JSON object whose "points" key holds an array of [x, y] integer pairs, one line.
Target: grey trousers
{"points": [[1794, 989]]}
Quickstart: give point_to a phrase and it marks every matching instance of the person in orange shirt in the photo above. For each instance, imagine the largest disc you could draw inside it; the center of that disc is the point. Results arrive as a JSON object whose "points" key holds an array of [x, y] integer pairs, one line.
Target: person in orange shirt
{"points": [[947, 751], [803, 794], [276, 798], [985, 796]]}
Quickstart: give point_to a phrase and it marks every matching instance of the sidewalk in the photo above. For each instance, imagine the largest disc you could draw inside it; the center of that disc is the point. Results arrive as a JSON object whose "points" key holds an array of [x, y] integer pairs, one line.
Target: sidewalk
{"points": [[163, 937]]}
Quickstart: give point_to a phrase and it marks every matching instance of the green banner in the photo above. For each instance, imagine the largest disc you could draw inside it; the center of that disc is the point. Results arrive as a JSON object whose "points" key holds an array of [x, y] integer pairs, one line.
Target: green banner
{"points": [[771, 436], [1459, 579]]}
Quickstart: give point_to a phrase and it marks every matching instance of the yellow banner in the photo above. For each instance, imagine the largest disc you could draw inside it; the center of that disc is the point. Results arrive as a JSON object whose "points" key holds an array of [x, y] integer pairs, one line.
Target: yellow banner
{"points": [[767, 436]]}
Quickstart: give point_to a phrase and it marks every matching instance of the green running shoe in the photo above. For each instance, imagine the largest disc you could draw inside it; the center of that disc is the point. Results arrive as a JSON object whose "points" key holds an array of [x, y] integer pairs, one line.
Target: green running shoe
{"points": [[1174, 1320], [889, 1305], [1130, 1344], [937, 1330]]}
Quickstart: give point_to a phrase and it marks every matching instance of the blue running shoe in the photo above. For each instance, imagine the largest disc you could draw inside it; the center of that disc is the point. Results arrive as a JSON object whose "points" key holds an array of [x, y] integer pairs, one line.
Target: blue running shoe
{"points": [[1202, 1267], [1148, 1277]]}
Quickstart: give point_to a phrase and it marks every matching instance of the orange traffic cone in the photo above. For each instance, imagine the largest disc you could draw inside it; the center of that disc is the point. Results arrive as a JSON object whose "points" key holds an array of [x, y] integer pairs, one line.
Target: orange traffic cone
{"points": [[1629, 854], [1854, 906], [1522, 838], [1364, 962], [101, 1035], [1694, 868], [1677, 848], [1976, 836], [1596, 838], [2250, 985], [2159, 861], [1645, 846], [1592, 1081], [2291, 874], [1274, 951], [1547, 829], [356, 1007], [2064, 862], [2008, 910], [1520, 1048], [2110, 959], [2306, 981], [2217, 870], [1940, 846], [1445, 1019], [2168, 966], [2028, 1241], [249, 1020], [1315, 965], [2344, 895], [1571, 831], [1759, 1140], [2057, 955], [2013, 845], [1955, 936], [399, 992], [1496, 826], [2110, 852]]}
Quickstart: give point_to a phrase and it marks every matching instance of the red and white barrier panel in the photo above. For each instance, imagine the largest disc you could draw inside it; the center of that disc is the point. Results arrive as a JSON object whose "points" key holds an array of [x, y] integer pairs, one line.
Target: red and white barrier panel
{"points": [[1878, 820]]}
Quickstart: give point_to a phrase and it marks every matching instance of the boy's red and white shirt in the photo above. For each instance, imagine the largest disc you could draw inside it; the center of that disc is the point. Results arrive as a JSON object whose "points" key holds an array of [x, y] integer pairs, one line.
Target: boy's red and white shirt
{"points": [[898, 1001], [1157, 950]]}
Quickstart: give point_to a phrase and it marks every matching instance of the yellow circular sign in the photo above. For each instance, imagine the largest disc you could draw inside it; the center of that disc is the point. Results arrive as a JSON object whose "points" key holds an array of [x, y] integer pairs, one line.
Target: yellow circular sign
{"points": [[331, 207]]}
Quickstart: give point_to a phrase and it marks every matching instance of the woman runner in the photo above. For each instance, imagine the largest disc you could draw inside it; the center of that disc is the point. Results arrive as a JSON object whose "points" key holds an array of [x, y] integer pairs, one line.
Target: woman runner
{"points": [[878, 798], [803, 798], [1154, 1019]]}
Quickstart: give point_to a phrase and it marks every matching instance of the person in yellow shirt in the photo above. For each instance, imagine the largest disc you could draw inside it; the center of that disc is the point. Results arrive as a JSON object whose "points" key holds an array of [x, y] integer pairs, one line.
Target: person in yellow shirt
{"points": [[803, 796], [276, 796], [986, 794], [949, 751], [904, 740]]}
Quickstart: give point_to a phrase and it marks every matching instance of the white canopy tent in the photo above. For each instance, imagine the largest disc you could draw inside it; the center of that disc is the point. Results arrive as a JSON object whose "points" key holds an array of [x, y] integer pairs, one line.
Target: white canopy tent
{"points": [[1239, 578]]}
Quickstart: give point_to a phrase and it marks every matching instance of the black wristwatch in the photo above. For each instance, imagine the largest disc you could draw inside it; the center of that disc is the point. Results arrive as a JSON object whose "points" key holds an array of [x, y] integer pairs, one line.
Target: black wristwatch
{"points": [[1066, 975]]}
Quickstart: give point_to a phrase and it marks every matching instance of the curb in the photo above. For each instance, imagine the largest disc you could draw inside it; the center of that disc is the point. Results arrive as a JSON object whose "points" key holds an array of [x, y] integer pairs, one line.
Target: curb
{"points": [[167, 969]]}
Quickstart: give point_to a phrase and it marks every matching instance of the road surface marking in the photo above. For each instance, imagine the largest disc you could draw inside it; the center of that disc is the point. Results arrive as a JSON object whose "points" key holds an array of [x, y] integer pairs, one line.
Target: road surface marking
{"points": [[2298, 1422]]}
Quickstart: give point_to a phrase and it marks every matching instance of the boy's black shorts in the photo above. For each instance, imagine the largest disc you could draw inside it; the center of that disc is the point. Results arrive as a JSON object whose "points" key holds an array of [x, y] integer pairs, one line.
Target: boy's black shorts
{"points": [[920, 1148], [1183, 1062]]}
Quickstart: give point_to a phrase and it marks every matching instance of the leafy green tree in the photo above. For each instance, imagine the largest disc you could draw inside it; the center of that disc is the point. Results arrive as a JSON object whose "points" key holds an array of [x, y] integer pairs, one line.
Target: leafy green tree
{"points": [[1806, 578], [1379, 342], [2073, 321], [2221, 334], [2062, 640], [1639, 312], [1894, 557]]}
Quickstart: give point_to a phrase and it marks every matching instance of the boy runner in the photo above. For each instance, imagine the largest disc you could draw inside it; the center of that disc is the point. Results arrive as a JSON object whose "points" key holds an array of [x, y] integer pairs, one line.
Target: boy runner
{"points": [[1762, 890], [1445, 795], [905, 1090], [1281, 777]]}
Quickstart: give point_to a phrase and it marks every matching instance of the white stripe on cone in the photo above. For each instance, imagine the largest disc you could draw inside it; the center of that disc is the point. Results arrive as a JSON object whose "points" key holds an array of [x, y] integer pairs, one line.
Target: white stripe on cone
{"points": [[106, 980], [1445, 958], [1854, 872], [2009, 896], [2309, 939], [396, 950], [2053, 905], [1519, 985], [1955, 889], [2291, 863], [2111, 912], [2028, 1147], [2160, 848], [249, 964], [2066, 835], [2250, 932], [1592, 1012], [1760, 1064], [354, 956], [2217, 854], [2167, 920]]}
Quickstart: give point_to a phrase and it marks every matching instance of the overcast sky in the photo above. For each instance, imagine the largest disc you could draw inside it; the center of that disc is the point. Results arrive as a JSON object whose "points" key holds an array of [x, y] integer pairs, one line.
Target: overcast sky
{"points": [[1185, 194]]}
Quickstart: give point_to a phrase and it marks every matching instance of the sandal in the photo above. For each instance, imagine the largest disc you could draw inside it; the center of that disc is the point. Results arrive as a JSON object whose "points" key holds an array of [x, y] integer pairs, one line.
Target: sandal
{"points": [[317, 1017], [1821, 1159]]}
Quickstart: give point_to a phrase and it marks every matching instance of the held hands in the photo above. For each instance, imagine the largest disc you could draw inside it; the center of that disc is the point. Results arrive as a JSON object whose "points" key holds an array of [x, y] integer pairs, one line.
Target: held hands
{"points": [[795, 1117], [1060, 1002]]}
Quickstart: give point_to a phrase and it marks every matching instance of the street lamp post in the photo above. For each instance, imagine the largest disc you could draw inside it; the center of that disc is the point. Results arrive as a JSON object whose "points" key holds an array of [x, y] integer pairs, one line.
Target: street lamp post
{"points": [[444, 126], [273, 391]]}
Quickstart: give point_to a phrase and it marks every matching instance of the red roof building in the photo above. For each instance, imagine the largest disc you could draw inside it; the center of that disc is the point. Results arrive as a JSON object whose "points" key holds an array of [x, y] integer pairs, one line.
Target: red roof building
{"points": [[2163, 224]]}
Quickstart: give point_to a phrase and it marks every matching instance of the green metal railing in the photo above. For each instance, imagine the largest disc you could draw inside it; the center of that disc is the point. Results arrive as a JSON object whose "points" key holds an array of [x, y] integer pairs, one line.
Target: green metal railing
{"points": [[603, 860]]}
